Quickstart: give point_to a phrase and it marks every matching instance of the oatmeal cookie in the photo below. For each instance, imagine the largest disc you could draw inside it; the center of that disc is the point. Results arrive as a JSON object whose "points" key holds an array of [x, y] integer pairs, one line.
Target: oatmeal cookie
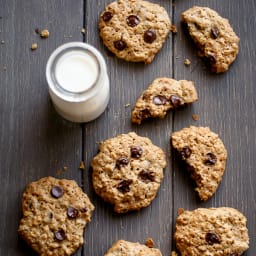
{"points": [[127, 171], [134, 30], [55, 213], [162, 95], [205, 155], [213, 231], [125, 248], [217, 43]]}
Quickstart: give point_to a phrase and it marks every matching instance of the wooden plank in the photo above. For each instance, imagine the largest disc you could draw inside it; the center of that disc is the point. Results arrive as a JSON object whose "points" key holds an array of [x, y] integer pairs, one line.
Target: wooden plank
{"points": [[227, 105], [127, 81], [34, 141]]}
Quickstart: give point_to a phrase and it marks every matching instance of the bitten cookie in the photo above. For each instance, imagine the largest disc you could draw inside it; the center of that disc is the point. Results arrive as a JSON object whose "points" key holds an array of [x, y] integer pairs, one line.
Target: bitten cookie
{"points": [[214, 231], [162, 95], [125, 248], [127, 171], [214, 37], [55, 213], [205, 155], [134, 30]]}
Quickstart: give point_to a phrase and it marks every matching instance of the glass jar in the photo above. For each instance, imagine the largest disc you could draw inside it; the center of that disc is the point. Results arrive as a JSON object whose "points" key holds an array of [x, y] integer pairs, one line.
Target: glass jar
{"points": [[78, 81]]}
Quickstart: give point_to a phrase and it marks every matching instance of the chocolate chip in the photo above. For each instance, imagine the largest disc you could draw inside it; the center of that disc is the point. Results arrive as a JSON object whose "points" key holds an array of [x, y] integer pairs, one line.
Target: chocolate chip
{"points": [[185, 152], [37, 30], [120, 45], [210, 159], [121, 162], [146, 96], [136, 152], [215, 32], [147, 176], [85, 209], [150, 36], [159, 100], [132, 20], [175, 100], [57, 192], [124, 186], [210, 60], [107, 16], [212, 238], [60, 235], [72, 212], [144, 113]]}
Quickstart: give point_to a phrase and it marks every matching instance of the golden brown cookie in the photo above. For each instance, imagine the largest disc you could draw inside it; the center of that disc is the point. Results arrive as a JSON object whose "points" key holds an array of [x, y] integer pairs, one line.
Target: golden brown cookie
{"points": [[217, 43], [127, 171], [55, 213], [214, 231], [134, 30], [205, 155], [125, 248], [162, 95]]}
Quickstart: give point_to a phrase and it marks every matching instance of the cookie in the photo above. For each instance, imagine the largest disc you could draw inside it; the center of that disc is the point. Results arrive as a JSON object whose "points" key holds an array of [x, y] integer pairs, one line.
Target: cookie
{"points": [[127, 171], [217, 43], [125, 248], [55, 213], [134, 30], [162, 95], [205, 155], [214, 231]]}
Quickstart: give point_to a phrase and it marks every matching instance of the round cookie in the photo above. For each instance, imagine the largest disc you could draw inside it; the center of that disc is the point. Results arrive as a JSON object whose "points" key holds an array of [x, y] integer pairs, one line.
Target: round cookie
{"points": [[127, 171], [162, 95], [134, 30], [55, 213], [205, 155], [214, 231], [125, 248], [217, 43]]}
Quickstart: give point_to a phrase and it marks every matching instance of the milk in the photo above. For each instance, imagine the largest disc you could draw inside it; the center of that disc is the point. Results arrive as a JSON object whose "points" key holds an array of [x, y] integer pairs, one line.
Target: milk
{"points": [[78, 82], [76, 71]]}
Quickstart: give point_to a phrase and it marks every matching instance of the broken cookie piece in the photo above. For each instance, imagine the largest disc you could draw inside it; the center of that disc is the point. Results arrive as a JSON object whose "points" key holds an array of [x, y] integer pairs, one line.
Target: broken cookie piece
{"points": [[162, 95], [205, 155], [214, 37]]}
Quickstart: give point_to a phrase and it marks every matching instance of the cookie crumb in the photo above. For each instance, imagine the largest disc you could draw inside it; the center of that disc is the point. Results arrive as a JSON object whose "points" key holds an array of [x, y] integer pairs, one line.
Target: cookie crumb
{"points": [[187, 62], [62, 170], [195, 117], [150, 242], [2, 42], [82, 166], [180, 211], [44, 33], [174, 29], [174, 253], [34, 46], [127, 105], [83, 30], [37, 30]]}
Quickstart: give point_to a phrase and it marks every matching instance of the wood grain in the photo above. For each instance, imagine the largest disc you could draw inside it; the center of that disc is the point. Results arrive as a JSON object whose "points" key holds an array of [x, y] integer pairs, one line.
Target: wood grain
{"points": [[35, 142]]}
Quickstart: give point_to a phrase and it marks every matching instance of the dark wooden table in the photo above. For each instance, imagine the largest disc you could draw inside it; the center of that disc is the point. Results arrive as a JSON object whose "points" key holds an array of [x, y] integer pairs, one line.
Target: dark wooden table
{"points": [[36, 142]]}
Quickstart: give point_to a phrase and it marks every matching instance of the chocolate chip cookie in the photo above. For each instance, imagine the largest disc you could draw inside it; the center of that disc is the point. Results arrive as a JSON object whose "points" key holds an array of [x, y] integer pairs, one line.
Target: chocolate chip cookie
{"points": [[205, 155], [217, 43], [214, 231], [162, 95], [55, 213], [127, 171], [125, 248], [134, 30]]}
